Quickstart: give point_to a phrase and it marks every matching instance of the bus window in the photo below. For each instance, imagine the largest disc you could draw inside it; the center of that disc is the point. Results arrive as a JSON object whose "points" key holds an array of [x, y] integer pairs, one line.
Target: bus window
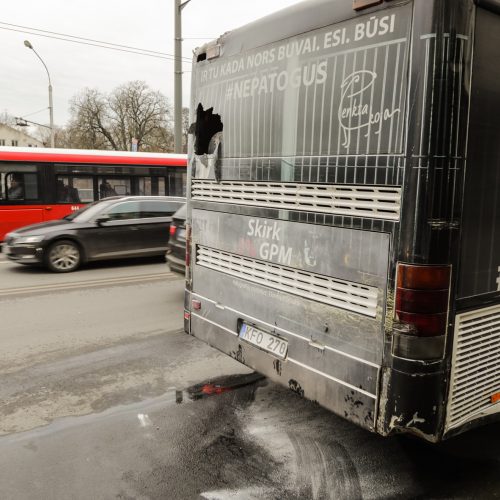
{"points": [[177, 184], [144, 185], [30, 186], [151, 186], [161, 186], [72, 189], [21, 186], [113, 187], [15, 186]]}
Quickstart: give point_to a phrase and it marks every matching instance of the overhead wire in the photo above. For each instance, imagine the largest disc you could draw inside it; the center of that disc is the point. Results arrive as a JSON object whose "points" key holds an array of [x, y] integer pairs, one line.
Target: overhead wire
{"points": [[89, 41], [136, 52], [36, 112], [86, 39]]}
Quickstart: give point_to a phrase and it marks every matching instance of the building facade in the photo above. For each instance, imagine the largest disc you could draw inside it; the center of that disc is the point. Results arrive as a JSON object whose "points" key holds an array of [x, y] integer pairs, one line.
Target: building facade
{"points": [[10, 136]]}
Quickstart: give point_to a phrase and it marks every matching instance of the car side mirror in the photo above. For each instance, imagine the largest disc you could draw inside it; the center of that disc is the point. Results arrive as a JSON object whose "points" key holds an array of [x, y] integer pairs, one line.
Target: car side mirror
{"points": [[102, 219]]}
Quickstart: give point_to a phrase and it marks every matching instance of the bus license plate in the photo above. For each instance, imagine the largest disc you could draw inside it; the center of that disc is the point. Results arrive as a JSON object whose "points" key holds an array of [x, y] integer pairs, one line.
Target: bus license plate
{"points": [[264, 340]]}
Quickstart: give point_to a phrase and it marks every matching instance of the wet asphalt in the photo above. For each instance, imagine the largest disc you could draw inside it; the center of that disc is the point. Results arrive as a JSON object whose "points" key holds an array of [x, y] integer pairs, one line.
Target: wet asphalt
{"points": [[258, 441], [145, 411]]}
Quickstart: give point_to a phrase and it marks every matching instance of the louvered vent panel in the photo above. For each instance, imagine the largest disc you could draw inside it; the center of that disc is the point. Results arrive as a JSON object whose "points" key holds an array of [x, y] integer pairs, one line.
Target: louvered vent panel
{"points": [[339, 293], [348, 200], [476, 366]]}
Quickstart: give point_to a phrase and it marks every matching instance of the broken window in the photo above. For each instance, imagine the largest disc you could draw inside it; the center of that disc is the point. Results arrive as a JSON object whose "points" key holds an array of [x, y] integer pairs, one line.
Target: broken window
{"points": [[206, 126], [207, 131]]}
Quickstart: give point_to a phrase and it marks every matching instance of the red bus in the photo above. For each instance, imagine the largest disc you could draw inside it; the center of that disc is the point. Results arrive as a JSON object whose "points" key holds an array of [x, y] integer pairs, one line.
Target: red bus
{"points": [[37, 185]]}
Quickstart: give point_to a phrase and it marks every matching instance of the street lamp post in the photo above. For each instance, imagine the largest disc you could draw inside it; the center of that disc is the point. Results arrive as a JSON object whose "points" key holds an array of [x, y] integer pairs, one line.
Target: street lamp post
{"points": [[51, 107], [178, 6]]}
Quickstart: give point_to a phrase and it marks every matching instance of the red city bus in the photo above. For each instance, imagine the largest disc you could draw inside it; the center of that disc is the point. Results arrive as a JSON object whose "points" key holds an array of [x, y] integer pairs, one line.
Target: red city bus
{"points": [[37, 185]]}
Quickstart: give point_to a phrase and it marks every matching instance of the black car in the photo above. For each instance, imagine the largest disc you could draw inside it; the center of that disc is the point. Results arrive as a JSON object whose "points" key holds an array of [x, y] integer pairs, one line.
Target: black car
{"points": [[176, 250], [116, 227]]}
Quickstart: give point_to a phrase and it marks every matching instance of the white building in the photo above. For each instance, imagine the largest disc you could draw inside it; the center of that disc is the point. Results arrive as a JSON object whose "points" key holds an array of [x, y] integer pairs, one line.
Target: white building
{"points": [[9, 136]]}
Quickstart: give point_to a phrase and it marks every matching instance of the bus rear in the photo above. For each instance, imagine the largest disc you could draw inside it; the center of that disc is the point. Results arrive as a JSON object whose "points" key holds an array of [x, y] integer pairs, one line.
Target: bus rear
{"points": [[311, 258]]}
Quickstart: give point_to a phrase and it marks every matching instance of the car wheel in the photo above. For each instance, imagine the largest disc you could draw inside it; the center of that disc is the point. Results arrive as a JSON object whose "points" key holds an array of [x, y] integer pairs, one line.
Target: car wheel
{"points": [[63, 256]]}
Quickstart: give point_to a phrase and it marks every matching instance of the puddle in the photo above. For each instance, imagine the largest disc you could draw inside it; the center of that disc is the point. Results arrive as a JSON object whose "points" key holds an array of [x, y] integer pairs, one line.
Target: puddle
{"points": [[141, 409]]}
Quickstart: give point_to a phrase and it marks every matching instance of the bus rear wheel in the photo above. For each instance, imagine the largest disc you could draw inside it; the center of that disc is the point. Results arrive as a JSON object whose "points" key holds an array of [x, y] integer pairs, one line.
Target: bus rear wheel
{"points": [[63, 256]]}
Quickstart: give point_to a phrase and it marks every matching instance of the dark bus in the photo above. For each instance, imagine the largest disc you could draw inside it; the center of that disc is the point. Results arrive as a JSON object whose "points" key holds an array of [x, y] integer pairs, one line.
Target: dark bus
{"points": [[38, 184], [344, 207]]}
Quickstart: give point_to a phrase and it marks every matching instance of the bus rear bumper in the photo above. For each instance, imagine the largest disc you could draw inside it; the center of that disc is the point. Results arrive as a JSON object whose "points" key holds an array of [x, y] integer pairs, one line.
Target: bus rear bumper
{"points": [[346, 400]]}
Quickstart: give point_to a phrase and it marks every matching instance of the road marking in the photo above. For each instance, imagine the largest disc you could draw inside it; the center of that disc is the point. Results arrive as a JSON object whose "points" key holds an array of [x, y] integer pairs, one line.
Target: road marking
{"points": [[91, 283], [102, 280]]}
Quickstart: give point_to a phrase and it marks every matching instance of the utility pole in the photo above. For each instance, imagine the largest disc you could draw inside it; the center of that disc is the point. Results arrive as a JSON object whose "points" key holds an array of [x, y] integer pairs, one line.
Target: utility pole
{"points": [[178, 6]]}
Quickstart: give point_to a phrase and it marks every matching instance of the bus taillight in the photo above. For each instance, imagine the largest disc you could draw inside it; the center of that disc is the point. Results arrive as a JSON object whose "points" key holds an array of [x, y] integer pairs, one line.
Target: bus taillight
{"points": [[173, 228], [421, 302]]}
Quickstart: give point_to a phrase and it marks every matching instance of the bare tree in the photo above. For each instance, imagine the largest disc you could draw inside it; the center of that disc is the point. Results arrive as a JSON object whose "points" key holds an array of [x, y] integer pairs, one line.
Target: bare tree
{"points": [[61, 136], [7, 119], [90, 124], [131, 111]]}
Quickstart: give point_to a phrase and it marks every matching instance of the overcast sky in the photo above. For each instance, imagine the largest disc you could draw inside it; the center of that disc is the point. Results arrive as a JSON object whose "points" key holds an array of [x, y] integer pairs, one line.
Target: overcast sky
{"points": [[146, 24]]}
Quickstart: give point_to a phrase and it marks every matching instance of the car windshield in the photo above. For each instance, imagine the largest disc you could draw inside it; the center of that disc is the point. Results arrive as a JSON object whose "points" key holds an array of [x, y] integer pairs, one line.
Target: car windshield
{"points": [[89, 212]]}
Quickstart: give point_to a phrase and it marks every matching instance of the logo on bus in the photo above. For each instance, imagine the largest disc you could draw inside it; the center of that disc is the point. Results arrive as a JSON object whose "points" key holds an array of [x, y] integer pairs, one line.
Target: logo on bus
{"points": [[356, 110], [272, 250]]}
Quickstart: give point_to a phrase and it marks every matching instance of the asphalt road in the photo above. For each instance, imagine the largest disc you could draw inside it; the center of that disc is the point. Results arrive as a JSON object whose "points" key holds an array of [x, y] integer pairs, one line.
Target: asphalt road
{"points": [[86, 341], [104, 396]]}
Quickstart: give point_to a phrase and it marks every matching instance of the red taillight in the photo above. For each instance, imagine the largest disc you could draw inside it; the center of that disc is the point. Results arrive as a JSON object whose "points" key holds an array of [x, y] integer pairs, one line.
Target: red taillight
{"points": [[173, 229], [426, 325], [188, 245], [423, 277], [421, 301], [422, 298]]}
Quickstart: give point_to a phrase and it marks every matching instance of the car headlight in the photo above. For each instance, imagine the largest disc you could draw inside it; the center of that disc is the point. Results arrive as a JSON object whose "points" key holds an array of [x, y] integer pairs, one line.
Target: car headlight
{"points": [[29, 239]]}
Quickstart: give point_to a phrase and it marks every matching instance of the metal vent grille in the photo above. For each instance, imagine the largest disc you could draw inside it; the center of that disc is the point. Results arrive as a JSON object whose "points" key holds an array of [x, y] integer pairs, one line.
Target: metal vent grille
{"points": [[476, 366], [361, 299], [347, 200]]}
